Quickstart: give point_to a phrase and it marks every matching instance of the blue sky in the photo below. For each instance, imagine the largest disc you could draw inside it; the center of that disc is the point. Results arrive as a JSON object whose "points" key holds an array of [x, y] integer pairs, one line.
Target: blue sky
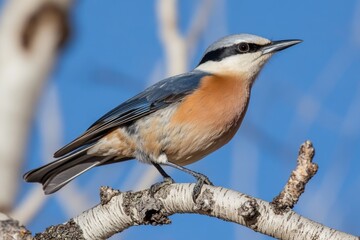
{"points": [[310, 91]]}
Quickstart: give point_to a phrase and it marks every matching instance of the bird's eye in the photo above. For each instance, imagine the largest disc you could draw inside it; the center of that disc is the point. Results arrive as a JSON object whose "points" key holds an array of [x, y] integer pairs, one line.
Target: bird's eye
{"points": [[243, 47]]}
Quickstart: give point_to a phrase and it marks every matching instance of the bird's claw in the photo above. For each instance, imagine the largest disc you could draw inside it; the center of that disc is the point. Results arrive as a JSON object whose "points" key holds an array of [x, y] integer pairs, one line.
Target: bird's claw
{"points": [[156, 187], [201, 180]]}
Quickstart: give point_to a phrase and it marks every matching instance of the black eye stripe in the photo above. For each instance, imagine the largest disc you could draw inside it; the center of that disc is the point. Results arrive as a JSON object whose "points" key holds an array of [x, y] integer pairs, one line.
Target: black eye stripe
{"points": [[221, 53]]}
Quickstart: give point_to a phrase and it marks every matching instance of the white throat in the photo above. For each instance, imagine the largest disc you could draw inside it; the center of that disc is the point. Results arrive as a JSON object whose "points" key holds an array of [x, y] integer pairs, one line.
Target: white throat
{"points": [[248, 65]]}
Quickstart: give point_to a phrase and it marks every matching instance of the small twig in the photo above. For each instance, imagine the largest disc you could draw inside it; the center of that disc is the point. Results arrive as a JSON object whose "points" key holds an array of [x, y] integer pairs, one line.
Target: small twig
{"points": [[295, 186], [198, 24]]}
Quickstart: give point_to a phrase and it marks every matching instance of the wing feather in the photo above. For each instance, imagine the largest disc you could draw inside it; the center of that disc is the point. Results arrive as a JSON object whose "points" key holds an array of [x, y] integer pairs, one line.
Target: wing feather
{"points": [[157, 96]]}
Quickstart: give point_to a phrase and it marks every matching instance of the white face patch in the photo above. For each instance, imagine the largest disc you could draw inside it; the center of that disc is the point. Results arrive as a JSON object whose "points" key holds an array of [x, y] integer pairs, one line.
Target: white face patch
{"points": [[224, 56], [248, 64]]}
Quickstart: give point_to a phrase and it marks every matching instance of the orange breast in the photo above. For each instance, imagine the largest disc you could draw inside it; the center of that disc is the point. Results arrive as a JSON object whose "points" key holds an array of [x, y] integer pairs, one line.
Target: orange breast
{"points": [[208, 118]]}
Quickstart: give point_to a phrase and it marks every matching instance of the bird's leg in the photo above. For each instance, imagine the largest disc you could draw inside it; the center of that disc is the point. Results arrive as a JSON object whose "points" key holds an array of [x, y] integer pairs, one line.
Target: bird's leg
{"points": [[201, 179], [167, 180]]}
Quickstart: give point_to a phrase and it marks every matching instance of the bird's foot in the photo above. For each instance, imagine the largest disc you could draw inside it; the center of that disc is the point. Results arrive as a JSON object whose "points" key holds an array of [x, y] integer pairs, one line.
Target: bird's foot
{"points": [[201, 180], [156, 187]]}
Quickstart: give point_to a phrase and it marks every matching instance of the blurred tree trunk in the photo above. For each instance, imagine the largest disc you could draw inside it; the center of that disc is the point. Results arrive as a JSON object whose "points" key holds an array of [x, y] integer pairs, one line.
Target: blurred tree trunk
{"points": [[31, 32]]}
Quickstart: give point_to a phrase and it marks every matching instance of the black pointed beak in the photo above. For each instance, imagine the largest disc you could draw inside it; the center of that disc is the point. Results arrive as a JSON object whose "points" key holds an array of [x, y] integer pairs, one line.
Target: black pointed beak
{"points": [[276, 46]]}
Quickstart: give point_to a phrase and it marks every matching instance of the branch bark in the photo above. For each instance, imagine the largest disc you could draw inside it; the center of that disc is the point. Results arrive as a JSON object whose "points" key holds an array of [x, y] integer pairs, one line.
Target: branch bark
{"points": [[129, 209], [121, 210], [295, 186], [11, 229]]}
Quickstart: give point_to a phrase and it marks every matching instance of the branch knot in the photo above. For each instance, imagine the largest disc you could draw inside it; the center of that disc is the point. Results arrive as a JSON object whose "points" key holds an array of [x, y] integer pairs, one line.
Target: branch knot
{"points": [[249, 211], [107, 193], [47, 12], [144, 209], [205, 202]]}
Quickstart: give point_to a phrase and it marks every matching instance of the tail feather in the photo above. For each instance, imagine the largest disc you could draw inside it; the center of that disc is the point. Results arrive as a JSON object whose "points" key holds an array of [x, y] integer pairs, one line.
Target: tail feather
{"points": [[57, 174], [64, 175], [39, 174]]}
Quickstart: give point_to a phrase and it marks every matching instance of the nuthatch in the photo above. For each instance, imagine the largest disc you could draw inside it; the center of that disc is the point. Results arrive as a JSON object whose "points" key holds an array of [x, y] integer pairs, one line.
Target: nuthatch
{"points": [[176, 121]]}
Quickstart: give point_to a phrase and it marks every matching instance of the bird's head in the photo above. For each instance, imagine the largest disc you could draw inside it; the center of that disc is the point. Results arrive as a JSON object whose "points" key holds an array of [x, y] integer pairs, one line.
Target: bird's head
{"points": [[241, 54]]}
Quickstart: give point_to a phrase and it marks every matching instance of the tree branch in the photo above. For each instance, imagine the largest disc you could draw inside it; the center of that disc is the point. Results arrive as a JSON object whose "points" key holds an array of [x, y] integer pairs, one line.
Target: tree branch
{"points": [[121, 210], [140, 208]]}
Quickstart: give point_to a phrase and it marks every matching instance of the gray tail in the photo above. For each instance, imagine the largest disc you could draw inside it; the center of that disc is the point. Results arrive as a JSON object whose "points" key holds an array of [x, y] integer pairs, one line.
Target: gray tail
{"points": [[57, 174]]}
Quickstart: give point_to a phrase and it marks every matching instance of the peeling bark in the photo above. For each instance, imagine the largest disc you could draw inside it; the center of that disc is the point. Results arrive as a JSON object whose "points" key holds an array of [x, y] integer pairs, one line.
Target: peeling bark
{"points": [[128, 209]]}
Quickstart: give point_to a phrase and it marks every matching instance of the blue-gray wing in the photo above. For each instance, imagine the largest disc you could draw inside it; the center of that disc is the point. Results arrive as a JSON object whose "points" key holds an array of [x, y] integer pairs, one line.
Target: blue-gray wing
{"points": [[157, 96]]}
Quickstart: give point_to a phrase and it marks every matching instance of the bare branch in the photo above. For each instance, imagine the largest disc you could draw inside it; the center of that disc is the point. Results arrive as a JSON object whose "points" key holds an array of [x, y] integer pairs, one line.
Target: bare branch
{"points": [[199, 23], [140, 208], [295, 186], [121, 210]]}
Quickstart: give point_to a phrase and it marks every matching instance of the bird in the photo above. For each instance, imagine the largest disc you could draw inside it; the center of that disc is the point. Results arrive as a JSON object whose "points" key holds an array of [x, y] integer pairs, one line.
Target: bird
{"points": [[175, 122]]}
